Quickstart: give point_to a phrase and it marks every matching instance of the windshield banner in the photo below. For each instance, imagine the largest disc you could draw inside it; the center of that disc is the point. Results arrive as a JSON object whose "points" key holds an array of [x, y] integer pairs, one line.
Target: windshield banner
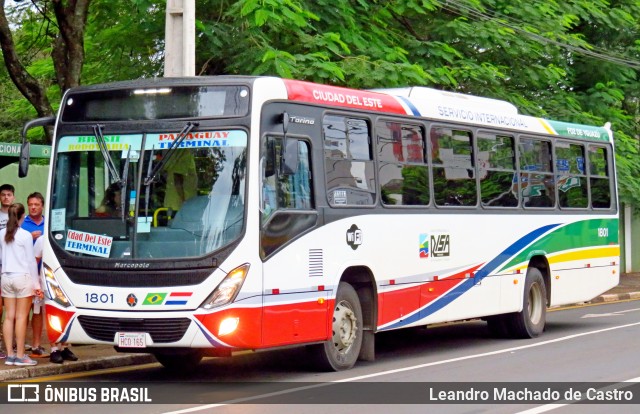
{"points": [[206, 139], [88, 243], [88, 143], [203, 139]]}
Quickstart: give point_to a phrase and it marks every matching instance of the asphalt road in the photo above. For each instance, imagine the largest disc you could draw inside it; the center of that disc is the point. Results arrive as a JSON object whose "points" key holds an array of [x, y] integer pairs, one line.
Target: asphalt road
{"points": [[592, 346]]}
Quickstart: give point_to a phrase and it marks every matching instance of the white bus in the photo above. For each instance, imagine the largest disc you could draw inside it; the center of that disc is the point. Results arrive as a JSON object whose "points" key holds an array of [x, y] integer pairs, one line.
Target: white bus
{"points": [[202, 216]]}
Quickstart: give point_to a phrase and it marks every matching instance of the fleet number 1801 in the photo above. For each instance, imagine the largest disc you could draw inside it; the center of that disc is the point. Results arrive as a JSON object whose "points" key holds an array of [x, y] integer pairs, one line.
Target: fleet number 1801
{"points": [[99, 297]]}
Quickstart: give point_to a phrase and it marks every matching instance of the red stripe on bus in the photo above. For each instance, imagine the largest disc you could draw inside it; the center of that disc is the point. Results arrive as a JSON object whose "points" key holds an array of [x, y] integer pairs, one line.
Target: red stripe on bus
{"points": [[344, 97], [398, 303]]}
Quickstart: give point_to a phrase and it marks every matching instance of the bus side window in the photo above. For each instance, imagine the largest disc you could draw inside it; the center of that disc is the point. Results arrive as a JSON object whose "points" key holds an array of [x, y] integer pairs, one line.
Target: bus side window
{"points": [[496, 162], [454, 181], [284, 191], [571, 175], [403, 172], [537, 183], [599, 178], [349, 165]]}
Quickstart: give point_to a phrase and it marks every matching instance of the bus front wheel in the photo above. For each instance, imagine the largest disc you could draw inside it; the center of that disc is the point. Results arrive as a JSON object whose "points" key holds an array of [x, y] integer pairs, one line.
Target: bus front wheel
{"points": [[529, 323], [342, 350]]}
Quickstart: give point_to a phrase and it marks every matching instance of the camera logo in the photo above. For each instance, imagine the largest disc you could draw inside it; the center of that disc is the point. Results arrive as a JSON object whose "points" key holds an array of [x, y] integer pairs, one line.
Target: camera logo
{"points": [[23, 393]]}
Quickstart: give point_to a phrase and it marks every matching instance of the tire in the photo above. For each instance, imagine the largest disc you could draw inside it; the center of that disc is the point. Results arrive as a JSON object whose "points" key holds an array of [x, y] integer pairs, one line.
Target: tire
{"points": [[529, 323], [342, 350], [179, 361]]}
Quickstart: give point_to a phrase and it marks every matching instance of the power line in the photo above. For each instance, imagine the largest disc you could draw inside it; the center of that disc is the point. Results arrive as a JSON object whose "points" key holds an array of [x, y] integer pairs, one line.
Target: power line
{"points": [[634, 64]]}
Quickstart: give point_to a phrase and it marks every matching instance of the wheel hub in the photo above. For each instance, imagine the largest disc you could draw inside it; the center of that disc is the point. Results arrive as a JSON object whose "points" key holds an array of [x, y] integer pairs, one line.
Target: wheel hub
{"points": [[535, 303], [344, 327]]}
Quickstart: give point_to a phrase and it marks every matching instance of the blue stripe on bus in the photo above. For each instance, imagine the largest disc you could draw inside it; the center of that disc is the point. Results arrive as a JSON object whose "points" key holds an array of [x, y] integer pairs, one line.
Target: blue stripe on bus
{"points": [[212, 340], [65, 337], [407, 102], [512, 251], [467, 284]]}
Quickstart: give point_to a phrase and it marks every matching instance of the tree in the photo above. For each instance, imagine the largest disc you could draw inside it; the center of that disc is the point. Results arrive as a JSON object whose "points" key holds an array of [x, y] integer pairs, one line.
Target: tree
{"points": [[575, 60], [30, 88], [52, 35]]}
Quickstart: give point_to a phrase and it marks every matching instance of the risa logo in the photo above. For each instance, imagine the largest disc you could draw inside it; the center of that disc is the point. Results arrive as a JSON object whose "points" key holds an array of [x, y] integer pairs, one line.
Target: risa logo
{"points": [[440, 245], [354, 237]]}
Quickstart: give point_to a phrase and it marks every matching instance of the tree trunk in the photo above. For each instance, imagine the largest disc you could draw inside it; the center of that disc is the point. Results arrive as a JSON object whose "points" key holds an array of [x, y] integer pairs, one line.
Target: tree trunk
{"points": [[26, 84]]}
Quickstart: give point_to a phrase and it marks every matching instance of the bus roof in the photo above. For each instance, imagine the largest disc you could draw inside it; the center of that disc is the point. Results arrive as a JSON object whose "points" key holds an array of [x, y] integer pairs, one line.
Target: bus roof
{"points": [[414, 101], [443, 106]]}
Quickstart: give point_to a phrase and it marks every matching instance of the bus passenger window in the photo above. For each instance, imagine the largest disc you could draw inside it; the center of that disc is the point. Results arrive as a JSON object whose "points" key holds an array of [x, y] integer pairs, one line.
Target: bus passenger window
{"points": [[497, 169], [454, 181], [348, 162], [537, 184], [599, 178], [403, 173], [571, 175]]}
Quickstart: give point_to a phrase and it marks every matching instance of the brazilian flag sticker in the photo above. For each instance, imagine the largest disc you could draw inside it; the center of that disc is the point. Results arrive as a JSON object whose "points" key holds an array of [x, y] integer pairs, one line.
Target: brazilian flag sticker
{"points": [[154, 299]]}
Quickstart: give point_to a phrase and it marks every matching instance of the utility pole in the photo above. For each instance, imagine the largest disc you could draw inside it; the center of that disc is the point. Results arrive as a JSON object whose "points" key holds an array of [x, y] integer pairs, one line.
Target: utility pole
{"points": [[180, 38]]}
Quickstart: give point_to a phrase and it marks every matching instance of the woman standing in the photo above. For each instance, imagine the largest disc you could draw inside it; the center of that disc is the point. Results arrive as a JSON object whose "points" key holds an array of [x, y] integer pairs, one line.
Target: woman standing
{"points": [[20, 282]]}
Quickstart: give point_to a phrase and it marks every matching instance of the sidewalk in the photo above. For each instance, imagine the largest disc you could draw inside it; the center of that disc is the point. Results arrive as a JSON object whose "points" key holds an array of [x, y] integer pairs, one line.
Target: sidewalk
{"points": [[93, 357]]}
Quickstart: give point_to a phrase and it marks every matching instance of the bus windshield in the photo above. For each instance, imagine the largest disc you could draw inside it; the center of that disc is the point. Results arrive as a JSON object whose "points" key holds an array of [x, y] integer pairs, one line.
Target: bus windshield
{"points": [[144, 196]]}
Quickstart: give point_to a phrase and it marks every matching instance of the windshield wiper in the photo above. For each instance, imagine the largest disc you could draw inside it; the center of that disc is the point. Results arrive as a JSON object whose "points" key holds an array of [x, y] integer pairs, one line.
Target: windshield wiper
{"points": [[172, 149], [97, 132], [123, 184], [147, 190]]}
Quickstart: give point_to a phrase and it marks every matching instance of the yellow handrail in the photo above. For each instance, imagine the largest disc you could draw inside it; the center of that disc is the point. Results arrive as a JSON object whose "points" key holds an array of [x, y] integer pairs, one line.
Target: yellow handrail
{"points": [[158, 211]]}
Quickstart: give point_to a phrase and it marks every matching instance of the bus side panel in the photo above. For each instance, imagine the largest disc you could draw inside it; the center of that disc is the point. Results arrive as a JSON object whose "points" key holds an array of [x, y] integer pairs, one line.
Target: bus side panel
{"points": [[295, 303], [578, 285], [398, 303]]}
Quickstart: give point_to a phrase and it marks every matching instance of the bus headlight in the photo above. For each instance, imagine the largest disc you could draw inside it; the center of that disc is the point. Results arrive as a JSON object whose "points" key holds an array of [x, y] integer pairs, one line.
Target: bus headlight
{"points": [[228, 289], [52, 288]]}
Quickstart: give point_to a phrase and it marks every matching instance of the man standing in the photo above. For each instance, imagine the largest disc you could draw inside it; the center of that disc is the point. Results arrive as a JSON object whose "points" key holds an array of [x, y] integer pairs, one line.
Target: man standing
{"points": [[34, 224], [7, 196], [6, 199]]}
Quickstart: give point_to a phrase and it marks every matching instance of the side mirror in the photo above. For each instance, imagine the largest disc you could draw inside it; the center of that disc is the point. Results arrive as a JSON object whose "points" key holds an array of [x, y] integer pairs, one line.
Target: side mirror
{"points": [[289, 161], [25, 150], [23, 163]]}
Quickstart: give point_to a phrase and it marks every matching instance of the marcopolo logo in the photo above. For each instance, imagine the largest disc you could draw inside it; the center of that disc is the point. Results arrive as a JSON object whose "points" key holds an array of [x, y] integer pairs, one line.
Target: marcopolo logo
{"points": [[354, 237]]}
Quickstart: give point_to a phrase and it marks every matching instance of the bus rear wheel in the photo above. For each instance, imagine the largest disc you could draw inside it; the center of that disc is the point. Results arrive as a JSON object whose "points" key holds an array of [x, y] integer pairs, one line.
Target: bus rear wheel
{"points": [[342, 350], [529, 323]]}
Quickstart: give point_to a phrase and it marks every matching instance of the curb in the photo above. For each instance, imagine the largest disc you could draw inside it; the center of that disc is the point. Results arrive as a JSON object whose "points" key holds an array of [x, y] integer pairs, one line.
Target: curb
{"points": [[76, 366], [616, 297]]}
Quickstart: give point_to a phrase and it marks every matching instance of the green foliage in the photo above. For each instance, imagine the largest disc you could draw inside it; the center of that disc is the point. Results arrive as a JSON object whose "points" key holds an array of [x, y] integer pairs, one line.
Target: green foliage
{"points": [[573, 60]]}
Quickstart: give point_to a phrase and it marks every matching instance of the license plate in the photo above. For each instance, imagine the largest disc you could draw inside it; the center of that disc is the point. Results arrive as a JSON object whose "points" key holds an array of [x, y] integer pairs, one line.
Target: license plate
{"points": [[132, 339]]}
